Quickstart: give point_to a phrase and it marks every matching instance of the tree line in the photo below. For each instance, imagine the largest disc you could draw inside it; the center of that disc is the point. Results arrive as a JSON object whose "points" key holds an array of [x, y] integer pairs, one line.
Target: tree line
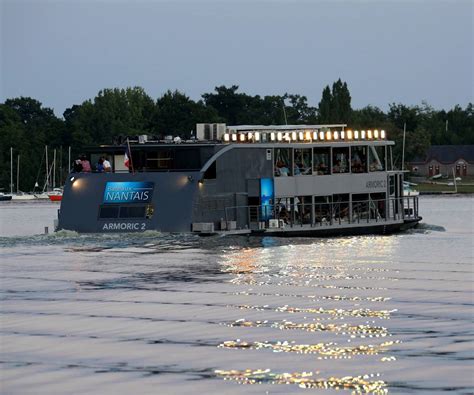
{"points": [[27, 125]]}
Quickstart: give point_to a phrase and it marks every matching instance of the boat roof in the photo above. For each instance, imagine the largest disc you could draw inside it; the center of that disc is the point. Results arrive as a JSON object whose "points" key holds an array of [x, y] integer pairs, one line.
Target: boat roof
{"points": [[240, 128]]}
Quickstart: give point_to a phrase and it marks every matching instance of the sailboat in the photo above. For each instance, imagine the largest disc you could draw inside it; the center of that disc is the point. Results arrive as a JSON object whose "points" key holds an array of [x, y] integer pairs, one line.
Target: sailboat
{"points": [[57, 193], [19, 195]]}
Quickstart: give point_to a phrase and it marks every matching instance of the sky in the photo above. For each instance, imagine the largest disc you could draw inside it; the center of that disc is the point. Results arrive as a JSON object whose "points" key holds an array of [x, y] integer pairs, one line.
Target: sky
{"points": [[64, 52]]}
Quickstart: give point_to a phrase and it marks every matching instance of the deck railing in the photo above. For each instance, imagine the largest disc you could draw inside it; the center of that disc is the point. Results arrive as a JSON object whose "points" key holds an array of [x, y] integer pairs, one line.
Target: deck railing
{"points": [[293, 214]]}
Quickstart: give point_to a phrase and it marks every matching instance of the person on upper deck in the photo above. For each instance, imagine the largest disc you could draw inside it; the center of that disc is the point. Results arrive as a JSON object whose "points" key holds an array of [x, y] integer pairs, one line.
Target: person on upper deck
{"points": [[107, 166], [77, 166], [100, 165], [86, 165]]}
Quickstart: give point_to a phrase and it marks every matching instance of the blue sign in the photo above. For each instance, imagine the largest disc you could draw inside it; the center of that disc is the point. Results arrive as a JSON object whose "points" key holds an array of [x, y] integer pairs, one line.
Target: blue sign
{"points": [[266, 198], [128, 192]]}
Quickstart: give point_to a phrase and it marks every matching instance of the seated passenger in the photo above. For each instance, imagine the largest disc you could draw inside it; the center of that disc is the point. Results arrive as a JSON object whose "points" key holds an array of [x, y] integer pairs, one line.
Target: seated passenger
{"points": [[357, 167], [322, 169], [281, 170], [375, 166], [297, 169], [337, 167]]}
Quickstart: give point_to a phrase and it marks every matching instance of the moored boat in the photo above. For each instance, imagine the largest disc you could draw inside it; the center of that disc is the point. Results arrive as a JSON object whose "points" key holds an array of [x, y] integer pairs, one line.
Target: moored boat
{"points": [[55, 195], [288, 180], [4, 197]]}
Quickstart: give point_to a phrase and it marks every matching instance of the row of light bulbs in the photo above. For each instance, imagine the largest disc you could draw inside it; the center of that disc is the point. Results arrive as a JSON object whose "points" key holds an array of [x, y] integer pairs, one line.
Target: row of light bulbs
{"points": [[308, 136]]}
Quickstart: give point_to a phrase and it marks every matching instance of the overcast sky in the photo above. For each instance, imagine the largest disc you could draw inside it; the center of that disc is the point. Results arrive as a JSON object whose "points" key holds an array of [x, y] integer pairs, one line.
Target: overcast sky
{"points": [[64, 52]]}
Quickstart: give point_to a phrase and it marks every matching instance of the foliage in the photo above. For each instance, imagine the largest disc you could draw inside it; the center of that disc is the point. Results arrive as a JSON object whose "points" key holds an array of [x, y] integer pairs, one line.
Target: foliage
{"points": [[27, 126], [335, 105]]}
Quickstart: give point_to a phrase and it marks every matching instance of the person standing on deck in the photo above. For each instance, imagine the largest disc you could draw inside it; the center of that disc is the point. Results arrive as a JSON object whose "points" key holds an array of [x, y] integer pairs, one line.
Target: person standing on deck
{"points": [[107, 166], [86, 166]]}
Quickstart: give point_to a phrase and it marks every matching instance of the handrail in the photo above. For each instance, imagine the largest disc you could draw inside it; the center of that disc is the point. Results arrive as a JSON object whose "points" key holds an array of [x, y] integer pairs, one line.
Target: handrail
{"points": [[319, 214]]}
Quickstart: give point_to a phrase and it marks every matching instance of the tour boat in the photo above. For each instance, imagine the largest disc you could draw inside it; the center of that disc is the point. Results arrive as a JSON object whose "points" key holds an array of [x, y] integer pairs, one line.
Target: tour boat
{"points": [[286, 180]]}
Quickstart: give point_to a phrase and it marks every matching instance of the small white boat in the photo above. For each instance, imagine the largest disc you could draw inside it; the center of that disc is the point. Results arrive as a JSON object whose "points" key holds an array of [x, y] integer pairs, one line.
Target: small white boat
{"points": [[41, 196], [408, 190], [23, 196]]}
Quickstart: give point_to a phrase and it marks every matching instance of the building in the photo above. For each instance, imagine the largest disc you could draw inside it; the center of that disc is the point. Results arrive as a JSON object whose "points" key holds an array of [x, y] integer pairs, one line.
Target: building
{"points": [[442, 159]]}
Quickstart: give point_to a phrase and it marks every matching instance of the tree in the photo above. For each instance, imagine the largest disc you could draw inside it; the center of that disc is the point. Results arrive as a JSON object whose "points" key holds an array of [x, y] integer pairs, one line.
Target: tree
{"points": [[28, 131], [176, 114], [325, 106], [335, 105]]}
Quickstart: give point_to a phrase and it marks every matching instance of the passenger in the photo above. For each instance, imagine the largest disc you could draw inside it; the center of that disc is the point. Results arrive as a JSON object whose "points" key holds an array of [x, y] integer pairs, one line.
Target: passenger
{"points": [[357, 166], [100, 165], [86, 166], [107, 166], [284, 171], [297, 169], [322, 169], [77, 166], [281, 169], [337, 167], [375, 165], [283, 214]]}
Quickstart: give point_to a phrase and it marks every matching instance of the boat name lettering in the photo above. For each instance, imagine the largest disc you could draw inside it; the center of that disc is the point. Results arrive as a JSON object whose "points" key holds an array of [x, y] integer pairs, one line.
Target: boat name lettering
{"points": [[128, 192], [124, 226], [376, 184]]}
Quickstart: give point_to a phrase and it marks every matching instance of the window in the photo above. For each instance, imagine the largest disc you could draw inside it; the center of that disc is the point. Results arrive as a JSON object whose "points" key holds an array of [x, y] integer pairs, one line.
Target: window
{"points": [[377, 158], [303, 161], [132, 211], [340, 160], [116, 211], [108, 212], [321, 162], [283, 162], [359, 159]]}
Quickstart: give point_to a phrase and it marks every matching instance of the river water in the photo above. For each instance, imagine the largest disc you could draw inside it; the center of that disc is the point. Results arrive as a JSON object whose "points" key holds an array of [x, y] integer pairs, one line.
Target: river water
{"points": [[161, 314]]}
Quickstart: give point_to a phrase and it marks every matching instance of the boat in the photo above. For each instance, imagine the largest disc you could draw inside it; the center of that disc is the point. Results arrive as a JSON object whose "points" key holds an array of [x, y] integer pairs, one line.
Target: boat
{"points": [[408, 189], [284, 180], [55, 195], [4, 197]]}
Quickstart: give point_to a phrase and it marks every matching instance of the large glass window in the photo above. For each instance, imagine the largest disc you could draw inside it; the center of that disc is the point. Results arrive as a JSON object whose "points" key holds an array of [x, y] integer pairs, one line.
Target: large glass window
{"points": [[283, 162], [340, 160], [377, 158], [359, 159], [303, 161], [321, 161]]}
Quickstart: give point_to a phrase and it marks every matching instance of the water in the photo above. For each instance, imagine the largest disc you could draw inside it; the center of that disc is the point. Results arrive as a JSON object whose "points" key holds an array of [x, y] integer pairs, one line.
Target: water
{"points": [[168, 314]]}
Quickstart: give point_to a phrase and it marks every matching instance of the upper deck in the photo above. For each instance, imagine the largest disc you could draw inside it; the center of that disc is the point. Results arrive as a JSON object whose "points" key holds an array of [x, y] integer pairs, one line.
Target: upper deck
{"points": [[316, 149]]}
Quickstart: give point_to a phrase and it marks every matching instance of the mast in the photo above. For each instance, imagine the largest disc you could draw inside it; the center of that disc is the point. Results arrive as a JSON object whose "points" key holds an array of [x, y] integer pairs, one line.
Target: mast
{"points": [[60, 173], [11, 170], [47, 169], [69, 161], [403, 147], [18, 176], [54, 168]]}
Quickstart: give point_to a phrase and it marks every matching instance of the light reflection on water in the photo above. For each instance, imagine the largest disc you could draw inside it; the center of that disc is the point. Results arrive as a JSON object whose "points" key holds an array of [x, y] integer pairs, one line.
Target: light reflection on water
{"points": [[161, 313]]}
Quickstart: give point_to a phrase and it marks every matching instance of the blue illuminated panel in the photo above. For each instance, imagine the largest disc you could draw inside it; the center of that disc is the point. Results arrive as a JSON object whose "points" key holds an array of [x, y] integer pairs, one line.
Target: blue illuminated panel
{"points": [[128, 192], [266, 198]]}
